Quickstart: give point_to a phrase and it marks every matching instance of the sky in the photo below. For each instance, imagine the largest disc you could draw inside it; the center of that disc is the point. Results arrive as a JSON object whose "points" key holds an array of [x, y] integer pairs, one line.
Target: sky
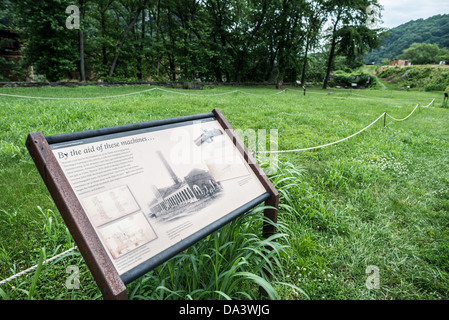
{"points": [[397, 12]]}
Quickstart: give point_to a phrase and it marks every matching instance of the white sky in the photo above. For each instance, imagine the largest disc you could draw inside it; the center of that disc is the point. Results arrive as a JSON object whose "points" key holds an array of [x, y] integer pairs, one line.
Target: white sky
{"points": [[397, 12]]}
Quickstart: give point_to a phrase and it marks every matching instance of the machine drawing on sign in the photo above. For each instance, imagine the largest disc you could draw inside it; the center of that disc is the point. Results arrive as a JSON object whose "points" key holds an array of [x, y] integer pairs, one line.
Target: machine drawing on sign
{"points": [[207, 136]]}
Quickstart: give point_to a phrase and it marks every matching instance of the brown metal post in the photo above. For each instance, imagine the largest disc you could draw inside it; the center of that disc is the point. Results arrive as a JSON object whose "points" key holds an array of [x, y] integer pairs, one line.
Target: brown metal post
{"points": [[81, 229]]}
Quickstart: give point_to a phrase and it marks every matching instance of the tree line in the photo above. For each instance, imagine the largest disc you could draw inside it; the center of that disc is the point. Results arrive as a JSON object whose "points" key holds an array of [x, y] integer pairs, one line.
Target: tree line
{"points": [[187, 40]]}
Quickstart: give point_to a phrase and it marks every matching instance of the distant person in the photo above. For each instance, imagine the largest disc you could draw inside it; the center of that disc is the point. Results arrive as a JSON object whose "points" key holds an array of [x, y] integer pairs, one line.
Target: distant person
{"points": [[446, 97]]}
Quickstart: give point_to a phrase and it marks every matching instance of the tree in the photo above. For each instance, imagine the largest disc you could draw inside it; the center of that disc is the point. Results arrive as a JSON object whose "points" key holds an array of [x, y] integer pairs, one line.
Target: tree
{"points": [[220, 19], [222, 40], [288, 36], [102, 35], [315, 18], [274, 41], [425, 53], [125, 34], [188, 38], [10, 67], [48, 45], [349, 34], [82, 8]]}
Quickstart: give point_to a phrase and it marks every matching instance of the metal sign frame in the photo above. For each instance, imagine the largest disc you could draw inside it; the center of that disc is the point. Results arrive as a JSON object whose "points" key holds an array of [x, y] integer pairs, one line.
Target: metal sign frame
{"points": [[111, 284]]}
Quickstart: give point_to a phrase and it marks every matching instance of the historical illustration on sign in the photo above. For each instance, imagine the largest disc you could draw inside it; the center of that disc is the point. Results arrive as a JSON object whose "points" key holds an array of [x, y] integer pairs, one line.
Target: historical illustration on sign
{"points": [[110, 205], [185, 195], [127, 234], [146, 190]]}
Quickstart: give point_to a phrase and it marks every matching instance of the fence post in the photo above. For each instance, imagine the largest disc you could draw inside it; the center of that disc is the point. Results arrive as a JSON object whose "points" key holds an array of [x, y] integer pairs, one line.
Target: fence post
{"points": [[385, 117]]}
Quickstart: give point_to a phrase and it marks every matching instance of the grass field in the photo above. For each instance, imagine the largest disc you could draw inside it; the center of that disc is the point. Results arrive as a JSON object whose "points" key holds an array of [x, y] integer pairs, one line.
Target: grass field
{"points": [[378, 200]]}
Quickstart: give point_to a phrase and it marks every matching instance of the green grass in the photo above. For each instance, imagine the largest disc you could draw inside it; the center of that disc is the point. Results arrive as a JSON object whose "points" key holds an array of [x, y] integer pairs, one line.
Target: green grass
{"points": [[380, 198]]}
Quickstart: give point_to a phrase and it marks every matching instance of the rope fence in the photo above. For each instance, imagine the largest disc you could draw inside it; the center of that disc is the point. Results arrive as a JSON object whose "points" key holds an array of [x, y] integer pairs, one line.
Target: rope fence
{"points": [[35, 266], [431, 102], [403, 118], [328, 144], [135, 93], [183, 94], [76, 98], [383, 115]]}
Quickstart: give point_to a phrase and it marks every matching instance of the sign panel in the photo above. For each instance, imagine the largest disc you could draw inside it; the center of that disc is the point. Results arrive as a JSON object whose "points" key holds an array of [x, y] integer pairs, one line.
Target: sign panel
{"points": [[146, 190], [134, 196]]}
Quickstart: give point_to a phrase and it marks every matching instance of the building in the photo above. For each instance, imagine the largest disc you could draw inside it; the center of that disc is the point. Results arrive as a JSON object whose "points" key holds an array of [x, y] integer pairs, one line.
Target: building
{"points": [[10, 44], [10, 51], [400, 62], [197, 185]]}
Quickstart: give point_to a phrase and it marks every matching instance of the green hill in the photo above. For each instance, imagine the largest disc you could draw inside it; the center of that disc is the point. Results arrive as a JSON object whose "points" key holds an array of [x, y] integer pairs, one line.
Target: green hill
{"points": [[426, 77], [432, 30]]}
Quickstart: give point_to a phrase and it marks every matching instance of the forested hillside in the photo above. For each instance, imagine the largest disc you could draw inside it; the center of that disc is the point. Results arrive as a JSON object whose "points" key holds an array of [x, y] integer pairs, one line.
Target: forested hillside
{"points": [[178, 40], [432, 30]]}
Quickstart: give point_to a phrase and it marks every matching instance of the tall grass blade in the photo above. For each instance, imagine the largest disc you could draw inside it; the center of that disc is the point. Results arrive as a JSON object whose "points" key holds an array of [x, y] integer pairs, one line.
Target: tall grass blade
{"points": [[36, 274]]}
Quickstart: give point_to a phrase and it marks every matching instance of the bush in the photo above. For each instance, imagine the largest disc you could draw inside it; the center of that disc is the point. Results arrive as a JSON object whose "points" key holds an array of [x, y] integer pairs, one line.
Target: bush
{"points": [[386, 72], [434, 87], [362, 80]]}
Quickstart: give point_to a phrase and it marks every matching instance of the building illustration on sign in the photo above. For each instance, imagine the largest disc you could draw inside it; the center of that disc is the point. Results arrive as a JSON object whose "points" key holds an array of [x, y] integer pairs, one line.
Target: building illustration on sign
{"points": [[196, 187]]}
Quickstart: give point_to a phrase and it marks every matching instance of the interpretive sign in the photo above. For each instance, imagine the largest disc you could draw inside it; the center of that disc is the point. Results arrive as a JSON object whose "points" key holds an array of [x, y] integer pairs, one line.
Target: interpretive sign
{"points": [[133, 196]]}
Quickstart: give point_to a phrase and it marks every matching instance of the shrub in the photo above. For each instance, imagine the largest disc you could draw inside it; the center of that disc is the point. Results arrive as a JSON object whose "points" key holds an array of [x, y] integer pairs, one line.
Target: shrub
{"points": [[363, 79], [434, 87], [386, 72]]}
